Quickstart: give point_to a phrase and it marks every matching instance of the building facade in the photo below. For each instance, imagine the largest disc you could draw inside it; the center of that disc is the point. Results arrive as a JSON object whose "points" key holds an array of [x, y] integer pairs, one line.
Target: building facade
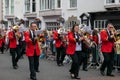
{"points": [[110, 14], [1, 10], [53, 13], [12, 11]]}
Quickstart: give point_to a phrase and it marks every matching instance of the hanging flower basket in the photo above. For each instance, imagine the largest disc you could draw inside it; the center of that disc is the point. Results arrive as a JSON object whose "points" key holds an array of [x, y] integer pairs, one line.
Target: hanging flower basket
{"points": [[61, 20], [2, 22]]}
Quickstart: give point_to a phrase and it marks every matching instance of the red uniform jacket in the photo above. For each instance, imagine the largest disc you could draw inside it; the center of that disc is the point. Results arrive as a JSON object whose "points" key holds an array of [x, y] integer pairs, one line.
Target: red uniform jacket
{"points": [[30, 47], [1, 41], [58, 42], [107, 45], [95, 39], [12, 40], [71, 44]]}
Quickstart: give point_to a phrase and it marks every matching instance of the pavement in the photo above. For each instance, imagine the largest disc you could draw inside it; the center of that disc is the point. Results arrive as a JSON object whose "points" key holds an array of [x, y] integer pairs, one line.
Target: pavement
{"points": [[48, 71]]}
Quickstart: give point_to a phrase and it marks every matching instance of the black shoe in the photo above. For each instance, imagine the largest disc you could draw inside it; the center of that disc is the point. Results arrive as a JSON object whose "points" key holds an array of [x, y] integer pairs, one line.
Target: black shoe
{"points": [[85, 69], [59, 64], [102, 73], [62, 64], [78, 78], [15, 67], [111, 75], [72, 75], [33, 78], [37, 71]]}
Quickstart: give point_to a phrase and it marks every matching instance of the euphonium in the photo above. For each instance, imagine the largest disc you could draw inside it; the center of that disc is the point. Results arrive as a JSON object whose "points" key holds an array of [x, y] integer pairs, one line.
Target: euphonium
{"points": [[87, 40]]}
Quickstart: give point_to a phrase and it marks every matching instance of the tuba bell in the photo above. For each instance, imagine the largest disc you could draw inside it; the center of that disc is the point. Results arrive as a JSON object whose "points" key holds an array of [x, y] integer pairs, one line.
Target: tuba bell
{"points": [[61, 31]]}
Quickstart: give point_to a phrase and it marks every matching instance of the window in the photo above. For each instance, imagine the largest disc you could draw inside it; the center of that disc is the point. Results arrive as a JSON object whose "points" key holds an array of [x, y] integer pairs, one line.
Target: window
{"points": [[7, 6], [33, 5], [52, 25], [101, 24], [43, 4], [58, 3], [110, 1], [12, 6], [71, 23], [27, 5], [52, 4], [73, 3], [47, 4]]}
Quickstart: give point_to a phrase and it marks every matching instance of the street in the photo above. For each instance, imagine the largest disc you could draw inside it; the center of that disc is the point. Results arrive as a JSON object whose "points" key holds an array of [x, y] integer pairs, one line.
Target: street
{"points": [[48, 71]]}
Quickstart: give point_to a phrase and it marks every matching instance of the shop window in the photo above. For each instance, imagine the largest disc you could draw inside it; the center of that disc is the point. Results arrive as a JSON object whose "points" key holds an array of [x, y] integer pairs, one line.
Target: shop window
{"points": [[100, 24]]}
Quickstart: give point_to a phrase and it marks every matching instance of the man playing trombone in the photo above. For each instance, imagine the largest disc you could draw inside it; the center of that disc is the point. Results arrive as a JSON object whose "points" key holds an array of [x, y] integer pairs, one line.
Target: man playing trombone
{"points": [[107, 48]]}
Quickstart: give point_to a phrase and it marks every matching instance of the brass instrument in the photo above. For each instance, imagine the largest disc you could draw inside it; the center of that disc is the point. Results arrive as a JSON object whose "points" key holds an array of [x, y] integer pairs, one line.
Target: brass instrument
{"points": [[114, 32], [117, 45], [41, 37], [116, 39], [62, 33], [1, 33], [1, 36], [87, 40], [17, 34]]}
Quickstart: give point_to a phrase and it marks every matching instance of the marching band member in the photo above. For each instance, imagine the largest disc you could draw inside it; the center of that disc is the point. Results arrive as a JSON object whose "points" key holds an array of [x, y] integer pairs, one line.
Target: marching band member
{"points": [[13, 37], [22, 44], [107, 48], [32, 50], [22, 39], [2, 40], [60, 47], [95, 49], [74, 49], [85, 53]]}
